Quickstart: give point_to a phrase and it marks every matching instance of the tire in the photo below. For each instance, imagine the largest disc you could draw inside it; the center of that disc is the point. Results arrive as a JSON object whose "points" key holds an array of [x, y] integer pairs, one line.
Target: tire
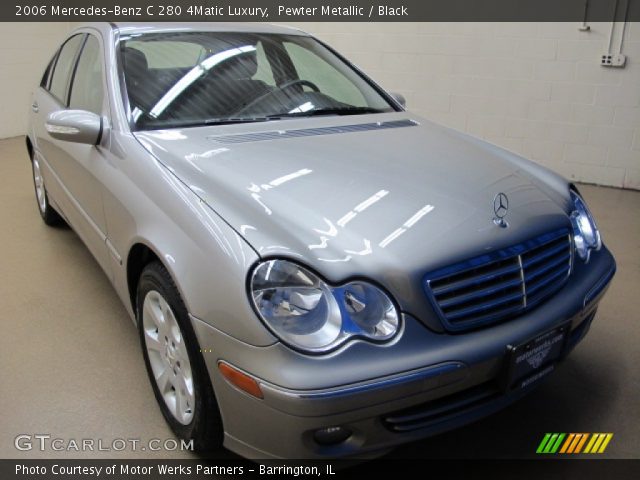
{"points": [[175, 366], [47, 212]]}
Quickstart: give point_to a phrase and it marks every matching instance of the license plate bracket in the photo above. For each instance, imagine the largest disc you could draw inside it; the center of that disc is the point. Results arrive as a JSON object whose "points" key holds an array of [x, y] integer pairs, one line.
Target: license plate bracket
{"points": [[530, 361]]}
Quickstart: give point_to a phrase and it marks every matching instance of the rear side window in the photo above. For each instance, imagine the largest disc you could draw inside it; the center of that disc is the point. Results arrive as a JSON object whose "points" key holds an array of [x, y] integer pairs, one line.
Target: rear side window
{"points": [[87, 91], [64, 67]]}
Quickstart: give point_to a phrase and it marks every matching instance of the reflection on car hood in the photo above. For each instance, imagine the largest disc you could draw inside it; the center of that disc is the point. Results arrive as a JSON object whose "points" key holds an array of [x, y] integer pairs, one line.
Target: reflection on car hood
{"points": [[385, 203]]}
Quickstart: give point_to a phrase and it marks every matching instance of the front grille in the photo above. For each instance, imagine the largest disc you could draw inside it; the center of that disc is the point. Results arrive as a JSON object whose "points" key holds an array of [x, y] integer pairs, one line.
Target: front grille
{"points": [[501, 284]]}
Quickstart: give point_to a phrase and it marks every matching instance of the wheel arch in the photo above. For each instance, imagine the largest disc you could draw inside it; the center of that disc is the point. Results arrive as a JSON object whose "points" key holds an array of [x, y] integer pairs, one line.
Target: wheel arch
{"points": [[140, 255]]}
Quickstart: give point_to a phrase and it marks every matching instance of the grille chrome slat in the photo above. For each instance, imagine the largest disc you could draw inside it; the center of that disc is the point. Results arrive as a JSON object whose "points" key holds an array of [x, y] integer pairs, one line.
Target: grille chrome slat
{"points": [[495, 304], [502, 284], [532, 260], [476, 280], [517, 282], [545, 281], [540, 270], [478, 320]]}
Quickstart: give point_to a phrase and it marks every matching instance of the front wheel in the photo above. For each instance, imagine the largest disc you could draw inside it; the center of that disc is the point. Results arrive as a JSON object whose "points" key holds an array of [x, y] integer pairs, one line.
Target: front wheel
{"points": [[175, 367]]}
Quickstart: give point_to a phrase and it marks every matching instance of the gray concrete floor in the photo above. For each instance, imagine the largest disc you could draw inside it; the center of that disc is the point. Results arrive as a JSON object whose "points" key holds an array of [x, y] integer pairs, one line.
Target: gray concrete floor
{"points": [[71, 367]]}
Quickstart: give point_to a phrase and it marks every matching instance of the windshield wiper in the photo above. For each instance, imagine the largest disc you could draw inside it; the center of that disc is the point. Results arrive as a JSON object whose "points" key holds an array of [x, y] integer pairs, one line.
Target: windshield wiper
{"points": [[203, 123], [232, 120], [328, 111], [279, 116], [266, 118]]}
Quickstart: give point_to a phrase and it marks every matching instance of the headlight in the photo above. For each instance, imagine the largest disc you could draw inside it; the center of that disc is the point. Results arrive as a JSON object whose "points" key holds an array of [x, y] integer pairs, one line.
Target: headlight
{"points": [[307, 313], [585, 232]]}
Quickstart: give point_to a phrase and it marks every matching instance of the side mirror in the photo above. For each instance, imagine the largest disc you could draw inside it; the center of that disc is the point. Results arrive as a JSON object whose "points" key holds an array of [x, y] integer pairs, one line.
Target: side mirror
{"points": [[77, 126], [398, 97]]}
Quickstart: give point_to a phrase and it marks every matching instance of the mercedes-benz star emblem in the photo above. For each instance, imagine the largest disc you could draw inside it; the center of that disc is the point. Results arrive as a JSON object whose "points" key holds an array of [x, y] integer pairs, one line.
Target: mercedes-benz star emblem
{"points": [[500, 208]]}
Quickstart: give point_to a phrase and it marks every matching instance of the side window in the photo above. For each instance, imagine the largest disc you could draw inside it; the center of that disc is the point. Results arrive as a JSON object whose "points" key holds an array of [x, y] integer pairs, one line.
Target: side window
{"points": [[63, 68], [87, 90], [329, 80]]}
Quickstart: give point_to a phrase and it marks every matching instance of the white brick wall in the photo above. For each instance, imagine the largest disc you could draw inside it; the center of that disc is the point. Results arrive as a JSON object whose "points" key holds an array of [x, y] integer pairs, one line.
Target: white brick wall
{"points": [[534, 88], [25, 49]]}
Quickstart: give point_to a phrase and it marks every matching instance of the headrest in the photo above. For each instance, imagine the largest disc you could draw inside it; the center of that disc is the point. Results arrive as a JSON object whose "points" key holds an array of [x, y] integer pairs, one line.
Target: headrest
{"points": [[239, 67], [135, 62]]}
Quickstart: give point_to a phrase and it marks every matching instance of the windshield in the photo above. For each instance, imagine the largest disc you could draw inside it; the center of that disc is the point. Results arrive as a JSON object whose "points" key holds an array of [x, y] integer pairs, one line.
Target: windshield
{"points": [[180, 79]]}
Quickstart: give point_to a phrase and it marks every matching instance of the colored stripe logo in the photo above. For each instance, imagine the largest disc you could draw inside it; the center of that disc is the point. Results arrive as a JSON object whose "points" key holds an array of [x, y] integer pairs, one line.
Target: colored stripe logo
{"points": [[573, 443]]}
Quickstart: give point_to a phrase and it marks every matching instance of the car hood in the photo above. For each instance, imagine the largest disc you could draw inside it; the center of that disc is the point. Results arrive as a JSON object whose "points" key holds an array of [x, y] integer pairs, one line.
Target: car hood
{"points": [[387, 196]]}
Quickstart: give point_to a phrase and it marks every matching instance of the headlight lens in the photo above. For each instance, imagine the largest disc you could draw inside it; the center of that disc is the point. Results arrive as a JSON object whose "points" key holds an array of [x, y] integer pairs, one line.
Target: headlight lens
{"points": [[307, 313], [586, 235]]}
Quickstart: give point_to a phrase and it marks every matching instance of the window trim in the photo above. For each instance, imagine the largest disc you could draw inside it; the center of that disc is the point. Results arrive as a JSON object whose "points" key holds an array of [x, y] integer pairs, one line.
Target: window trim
{"points": [[122, 90], [76, 61], [46, 75]]}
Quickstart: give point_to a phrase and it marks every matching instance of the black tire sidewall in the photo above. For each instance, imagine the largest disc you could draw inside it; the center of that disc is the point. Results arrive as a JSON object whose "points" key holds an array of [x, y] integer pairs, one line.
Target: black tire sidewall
{"points": [[205, 427]]}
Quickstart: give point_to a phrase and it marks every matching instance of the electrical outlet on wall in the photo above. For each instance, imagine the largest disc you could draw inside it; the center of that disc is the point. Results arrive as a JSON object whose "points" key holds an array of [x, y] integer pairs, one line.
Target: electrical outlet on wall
{"points": [[613, 60]]}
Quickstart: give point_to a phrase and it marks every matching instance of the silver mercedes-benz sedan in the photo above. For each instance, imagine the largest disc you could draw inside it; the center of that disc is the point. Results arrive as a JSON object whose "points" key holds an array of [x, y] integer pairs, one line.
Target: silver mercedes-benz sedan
{"points": [[313, 270]]}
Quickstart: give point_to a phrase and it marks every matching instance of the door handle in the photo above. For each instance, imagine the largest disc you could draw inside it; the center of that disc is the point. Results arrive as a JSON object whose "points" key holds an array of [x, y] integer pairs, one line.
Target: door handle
{"points": [[34, 107]]}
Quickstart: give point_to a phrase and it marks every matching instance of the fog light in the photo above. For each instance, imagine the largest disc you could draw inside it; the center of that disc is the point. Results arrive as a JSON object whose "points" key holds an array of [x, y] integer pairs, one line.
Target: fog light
{"points": [[331, 435]]}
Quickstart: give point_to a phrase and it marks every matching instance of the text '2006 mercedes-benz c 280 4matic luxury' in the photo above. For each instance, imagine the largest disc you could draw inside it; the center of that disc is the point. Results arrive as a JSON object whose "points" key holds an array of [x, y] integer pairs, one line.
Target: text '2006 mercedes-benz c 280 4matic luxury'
{"points": [[313, 270]]}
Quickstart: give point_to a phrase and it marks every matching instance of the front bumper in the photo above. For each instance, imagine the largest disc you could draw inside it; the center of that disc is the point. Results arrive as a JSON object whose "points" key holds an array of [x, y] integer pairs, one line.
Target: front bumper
{"points": [[421, 384]]}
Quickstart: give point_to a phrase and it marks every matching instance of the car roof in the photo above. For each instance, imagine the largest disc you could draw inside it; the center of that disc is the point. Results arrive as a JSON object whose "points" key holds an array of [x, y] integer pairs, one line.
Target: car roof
{"points": [[128, 27]]}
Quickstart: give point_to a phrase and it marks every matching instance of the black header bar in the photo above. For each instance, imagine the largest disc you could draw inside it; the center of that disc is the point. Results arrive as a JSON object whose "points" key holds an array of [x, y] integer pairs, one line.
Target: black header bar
{"points": [[204, 469], [320, 11]]}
